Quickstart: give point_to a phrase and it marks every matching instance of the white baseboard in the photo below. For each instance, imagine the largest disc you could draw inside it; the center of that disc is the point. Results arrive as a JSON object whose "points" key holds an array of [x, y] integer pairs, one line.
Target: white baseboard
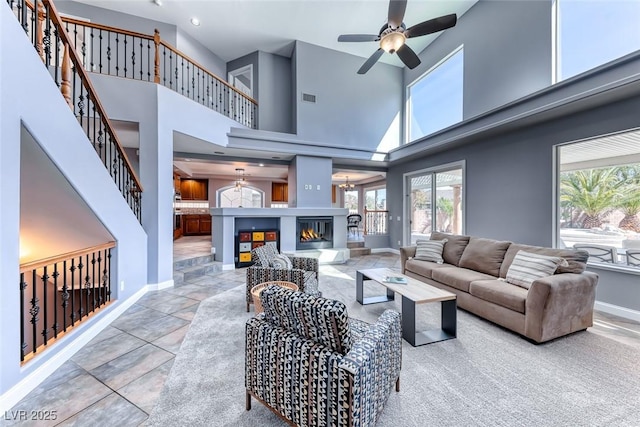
{"points": [[616, 310], [226, 267], [71, 343], [159, 286], [383, 250]]}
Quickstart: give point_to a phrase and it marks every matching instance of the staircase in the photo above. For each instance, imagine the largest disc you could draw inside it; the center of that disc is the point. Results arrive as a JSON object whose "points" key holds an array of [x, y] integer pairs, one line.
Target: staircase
{"points": [[356, 248], [192, 268]]}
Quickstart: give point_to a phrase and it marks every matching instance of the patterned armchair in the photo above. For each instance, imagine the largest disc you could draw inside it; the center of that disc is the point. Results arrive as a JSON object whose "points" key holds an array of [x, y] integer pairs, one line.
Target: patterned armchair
{"points": [[312, 365], [301, 271]]}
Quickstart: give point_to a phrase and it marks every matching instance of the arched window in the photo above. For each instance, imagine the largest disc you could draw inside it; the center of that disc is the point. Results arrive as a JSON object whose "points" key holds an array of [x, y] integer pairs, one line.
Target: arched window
{"points": [[243, 197]]}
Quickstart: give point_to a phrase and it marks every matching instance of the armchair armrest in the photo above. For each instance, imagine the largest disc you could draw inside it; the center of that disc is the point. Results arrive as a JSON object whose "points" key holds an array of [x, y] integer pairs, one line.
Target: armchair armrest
{"points": [[405, 253], [560, 304], [373, 367]]}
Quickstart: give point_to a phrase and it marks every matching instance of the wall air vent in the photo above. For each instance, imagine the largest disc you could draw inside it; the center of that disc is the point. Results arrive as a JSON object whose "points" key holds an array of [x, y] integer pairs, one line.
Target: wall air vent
{"points": [[307, 97]]}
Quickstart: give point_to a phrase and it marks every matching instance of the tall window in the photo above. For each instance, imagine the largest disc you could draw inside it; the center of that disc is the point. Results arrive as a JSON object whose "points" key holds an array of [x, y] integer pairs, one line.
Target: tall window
{"points": [[434, 202], [376, 199], [592, 33], [351, 201], [598, 206], [246, 197], [434, 101]]}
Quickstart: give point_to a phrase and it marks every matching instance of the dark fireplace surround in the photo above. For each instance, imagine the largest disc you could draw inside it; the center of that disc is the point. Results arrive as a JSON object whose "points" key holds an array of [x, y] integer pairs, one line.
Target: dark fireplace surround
{"points": [[314, 232]]}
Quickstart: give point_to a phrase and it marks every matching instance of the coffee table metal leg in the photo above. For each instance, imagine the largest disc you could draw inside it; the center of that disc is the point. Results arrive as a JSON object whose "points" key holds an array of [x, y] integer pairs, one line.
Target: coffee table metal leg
{"points": [[449, 317], [448, 325], [360, 278]]}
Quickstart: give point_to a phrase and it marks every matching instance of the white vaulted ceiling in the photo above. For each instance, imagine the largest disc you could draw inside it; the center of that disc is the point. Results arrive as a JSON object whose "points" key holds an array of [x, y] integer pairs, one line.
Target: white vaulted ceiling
{"points": [[235, 28]]}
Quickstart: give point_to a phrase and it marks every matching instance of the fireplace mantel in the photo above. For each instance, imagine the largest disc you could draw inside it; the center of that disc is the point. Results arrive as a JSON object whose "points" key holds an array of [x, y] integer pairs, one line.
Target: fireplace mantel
{"points": [[224, 229]]}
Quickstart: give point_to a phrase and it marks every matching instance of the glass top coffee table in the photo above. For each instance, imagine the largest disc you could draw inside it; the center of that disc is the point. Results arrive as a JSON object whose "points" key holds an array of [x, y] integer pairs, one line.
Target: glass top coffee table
{"points": [[413, 292]]}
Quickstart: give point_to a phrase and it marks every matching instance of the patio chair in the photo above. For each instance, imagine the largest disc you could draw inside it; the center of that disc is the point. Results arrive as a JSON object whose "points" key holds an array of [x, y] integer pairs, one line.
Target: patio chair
{"points": [[353, 223], [601, 253], [633, 257]]}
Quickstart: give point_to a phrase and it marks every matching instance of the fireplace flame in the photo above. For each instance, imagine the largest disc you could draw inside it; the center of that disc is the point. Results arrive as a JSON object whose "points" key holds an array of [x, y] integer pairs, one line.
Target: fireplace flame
{"points": [[308, 234]]}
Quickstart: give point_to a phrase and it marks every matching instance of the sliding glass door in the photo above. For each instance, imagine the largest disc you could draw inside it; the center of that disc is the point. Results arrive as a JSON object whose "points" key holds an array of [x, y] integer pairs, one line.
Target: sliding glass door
{"points": [[434, 201]]}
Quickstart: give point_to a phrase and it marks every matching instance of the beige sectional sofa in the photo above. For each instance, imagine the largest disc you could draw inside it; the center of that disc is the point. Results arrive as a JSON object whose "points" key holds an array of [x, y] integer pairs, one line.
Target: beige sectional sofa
{"points": [[475, 268]]}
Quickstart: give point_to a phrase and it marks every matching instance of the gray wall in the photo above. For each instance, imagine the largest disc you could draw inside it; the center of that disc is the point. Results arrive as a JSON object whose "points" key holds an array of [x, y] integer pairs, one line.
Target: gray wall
{"points": [[507, 52], [274, 96], [352, 110], [272, 88], [196, 50], [314, 172], [509, 178]]}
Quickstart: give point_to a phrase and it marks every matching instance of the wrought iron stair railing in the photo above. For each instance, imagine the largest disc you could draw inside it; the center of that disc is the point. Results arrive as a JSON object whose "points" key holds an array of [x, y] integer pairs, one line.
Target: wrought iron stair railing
{"points": [[376, 222], [122, 53], [48, 34], [59, 292]]}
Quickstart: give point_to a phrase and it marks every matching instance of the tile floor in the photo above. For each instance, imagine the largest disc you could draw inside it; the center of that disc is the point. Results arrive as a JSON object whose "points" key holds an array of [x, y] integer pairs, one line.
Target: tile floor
{"points": [[117, 377]]}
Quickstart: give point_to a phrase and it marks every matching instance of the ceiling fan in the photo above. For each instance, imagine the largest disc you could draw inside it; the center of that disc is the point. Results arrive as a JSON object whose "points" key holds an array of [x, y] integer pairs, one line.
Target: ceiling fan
{"points": [[394, 33]]}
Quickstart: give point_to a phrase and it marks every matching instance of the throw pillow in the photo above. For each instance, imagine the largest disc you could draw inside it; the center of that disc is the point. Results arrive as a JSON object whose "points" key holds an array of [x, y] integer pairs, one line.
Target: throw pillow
{"points": [[430, 250], [528, 267], [281, 261], [262, 255]]}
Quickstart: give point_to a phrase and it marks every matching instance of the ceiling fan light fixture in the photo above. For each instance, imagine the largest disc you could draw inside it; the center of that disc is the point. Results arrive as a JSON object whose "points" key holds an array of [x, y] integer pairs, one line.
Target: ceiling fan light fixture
{"points": [[391, 42]]}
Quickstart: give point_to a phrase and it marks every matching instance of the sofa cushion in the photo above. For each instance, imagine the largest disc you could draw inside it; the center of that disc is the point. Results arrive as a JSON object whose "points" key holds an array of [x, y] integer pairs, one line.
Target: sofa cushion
{"points": [[457, 277], [430, 250], [576, 260], [322, 320], [484, 255], [454, 247], [423, 268], [528, 267], [501, 293]]}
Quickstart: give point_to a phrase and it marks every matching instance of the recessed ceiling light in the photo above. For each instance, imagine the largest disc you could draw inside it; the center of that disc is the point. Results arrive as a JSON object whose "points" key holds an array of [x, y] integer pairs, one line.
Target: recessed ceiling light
{"points": [[187, 160], [261, 164], [195, 21]]}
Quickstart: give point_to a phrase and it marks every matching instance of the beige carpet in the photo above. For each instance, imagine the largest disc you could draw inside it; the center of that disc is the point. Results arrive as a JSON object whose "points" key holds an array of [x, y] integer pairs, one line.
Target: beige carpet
{"points": [[486, 377]]}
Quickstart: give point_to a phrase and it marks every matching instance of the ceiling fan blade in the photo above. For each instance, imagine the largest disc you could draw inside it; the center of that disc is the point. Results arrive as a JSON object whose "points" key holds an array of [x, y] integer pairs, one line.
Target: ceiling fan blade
{"points": [[357, 38], [432, 26], [372, 60], [396, 12], [408, 56]]}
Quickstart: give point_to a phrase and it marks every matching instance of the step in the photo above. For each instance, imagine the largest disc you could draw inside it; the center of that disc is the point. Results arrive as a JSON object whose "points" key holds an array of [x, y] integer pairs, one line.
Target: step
{"points": [[355, 244], [360, 251], [190, 262], [189, 273]]}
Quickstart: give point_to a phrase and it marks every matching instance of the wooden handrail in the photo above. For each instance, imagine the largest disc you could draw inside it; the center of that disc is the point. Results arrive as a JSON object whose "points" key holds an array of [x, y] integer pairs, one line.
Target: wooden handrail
{"points": [[177, 52], [105, 27], [55, 17], [33, 265]]}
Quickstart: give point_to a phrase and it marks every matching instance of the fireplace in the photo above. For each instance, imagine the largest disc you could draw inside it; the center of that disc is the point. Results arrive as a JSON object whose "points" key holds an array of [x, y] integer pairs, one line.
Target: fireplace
{"points": [[314, 232]]}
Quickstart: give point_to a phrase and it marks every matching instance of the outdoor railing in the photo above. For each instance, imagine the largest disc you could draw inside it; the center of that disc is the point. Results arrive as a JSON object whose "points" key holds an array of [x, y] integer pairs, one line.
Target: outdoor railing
{"points": [[44, 27], [122, 53], [58, 293], [375, 222]]}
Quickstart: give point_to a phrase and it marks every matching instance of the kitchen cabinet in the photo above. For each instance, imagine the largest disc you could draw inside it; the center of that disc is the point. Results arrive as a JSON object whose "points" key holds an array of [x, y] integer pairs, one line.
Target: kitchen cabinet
{"points": [[279, 192], [194, 189], [195, 225]]}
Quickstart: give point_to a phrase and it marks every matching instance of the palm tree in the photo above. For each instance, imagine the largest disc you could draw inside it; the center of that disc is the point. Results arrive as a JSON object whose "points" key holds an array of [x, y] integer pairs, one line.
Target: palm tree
{"points": [[444, 213], [629, 200], [593, 191]]}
